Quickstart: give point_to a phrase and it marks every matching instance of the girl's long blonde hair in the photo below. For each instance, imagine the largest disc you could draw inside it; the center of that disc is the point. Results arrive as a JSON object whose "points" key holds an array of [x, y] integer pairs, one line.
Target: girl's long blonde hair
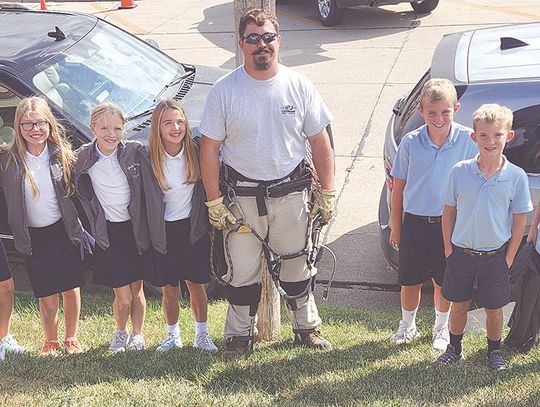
{"points": [[157, 148], [56, 136]]}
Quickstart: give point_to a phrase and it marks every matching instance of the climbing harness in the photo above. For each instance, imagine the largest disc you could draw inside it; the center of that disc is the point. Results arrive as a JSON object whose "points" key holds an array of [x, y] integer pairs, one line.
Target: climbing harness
{"points": [[298, 180]]}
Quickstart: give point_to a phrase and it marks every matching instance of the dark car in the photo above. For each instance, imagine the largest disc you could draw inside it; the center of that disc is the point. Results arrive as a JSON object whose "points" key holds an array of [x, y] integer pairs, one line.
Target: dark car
{"points": [[77, 61], [490, 65], [331, 12]]}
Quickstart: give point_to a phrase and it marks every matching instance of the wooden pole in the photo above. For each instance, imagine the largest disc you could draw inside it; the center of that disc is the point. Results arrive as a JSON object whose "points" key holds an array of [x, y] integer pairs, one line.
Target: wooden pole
{"points": [[269, 316], [240, 7]]}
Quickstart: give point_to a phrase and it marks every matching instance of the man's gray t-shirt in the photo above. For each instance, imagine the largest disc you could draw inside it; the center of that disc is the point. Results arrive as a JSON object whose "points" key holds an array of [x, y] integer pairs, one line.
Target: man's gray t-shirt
{"points": [[263, 124]]}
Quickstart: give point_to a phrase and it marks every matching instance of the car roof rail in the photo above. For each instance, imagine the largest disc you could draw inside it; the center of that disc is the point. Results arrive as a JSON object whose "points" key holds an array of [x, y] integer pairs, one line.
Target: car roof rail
{"points": [[511, 42], [14, 7]]}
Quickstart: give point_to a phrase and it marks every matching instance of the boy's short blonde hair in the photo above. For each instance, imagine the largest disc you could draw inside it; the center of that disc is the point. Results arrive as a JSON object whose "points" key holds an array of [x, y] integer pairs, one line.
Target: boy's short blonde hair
{"points": [[493, 113], [437, 89]]}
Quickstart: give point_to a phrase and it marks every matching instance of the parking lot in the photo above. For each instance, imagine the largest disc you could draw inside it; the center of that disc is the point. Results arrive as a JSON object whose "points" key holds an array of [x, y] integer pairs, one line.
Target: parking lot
{"points": [[360, 67]]}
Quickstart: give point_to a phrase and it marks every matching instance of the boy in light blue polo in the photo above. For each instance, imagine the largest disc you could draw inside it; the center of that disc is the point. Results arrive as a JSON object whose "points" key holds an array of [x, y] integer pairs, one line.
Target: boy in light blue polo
{"points": [[424, 159], [484, 218]]}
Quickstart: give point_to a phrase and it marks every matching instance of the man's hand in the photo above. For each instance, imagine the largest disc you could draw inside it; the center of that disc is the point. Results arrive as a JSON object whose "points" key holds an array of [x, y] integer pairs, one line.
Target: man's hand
{"points": [[325, 203], [219, 215]]}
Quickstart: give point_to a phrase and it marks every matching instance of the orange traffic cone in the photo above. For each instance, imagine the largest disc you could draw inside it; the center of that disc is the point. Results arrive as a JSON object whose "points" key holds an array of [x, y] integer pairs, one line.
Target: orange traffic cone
{"points": [[125, 4], [42, 5]]}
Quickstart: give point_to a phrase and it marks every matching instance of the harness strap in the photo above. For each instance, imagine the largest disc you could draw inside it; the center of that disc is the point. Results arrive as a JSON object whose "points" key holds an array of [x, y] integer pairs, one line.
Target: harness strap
{"points": [[296, 181]]}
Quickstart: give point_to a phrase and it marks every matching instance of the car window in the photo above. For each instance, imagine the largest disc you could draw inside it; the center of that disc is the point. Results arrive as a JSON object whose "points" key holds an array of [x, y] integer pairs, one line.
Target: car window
{"points": [[524, 149], [108, 65], [8, 104], [409, 118]]}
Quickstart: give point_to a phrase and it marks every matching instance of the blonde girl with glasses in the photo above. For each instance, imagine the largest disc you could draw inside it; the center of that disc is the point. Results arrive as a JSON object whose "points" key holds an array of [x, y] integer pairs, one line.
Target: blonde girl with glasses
{"points": [[178, 221], [108, 183], [37, 174]]}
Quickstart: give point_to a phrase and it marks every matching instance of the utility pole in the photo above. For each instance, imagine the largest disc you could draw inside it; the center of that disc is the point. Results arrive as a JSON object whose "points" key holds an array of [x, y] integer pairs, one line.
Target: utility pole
{"points": [[269, 316]]}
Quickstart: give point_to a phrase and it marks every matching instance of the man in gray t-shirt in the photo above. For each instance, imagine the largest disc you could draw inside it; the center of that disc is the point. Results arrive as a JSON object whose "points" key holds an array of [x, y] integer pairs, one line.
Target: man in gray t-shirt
{"points": [[260, 116]]}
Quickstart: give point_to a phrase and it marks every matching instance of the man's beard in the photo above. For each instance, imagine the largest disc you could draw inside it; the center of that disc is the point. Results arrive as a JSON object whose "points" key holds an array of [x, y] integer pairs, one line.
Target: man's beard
{"points": [[260, 63]]}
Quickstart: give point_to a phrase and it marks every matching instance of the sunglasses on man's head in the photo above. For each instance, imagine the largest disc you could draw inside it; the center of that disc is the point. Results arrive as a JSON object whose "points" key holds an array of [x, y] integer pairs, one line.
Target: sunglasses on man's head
{"points": [[255, 38]]}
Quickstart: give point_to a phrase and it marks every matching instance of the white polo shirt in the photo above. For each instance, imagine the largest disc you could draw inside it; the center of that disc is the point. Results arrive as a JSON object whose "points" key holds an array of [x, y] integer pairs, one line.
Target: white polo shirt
{"points": [[111, 187], [43, 210], [177, 199], [485, 207]]}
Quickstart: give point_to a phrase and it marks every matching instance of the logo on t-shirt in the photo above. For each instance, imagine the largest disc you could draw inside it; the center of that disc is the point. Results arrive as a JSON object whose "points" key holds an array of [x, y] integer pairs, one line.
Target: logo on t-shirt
{"points": [[288, 109]]}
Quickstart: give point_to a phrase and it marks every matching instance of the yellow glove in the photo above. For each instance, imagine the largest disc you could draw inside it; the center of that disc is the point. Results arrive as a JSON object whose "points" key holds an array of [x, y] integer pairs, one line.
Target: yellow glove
{"points": [[219, 215], [325, 203]]}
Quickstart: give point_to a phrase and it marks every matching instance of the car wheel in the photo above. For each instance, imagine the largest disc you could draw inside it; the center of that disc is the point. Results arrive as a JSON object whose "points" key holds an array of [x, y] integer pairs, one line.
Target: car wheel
{"points": [[329, 13], [426, 6]]}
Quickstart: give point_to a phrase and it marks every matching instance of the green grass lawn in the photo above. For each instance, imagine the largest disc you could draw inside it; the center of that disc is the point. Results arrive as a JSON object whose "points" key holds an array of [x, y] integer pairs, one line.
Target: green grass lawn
{"points": [[364, 368]]}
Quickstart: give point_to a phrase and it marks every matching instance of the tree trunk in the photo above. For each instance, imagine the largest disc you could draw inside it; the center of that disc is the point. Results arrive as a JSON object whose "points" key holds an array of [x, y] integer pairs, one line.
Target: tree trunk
{"points": [[269, 323], [269, 315]]}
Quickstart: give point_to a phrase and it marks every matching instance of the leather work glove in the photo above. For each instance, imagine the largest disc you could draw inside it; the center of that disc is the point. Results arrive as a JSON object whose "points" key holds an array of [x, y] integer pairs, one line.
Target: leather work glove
{"points": [[324, 202], [219, 215]]}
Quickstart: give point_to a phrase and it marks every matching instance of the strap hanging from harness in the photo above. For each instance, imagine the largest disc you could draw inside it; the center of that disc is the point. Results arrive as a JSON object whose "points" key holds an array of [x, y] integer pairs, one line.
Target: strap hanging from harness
{"points": [[298, 180]]}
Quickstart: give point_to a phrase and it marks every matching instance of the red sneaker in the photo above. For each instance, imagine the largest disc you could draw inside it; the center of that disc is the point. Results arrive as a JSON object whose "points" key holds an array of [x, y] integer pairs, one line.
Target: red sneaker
{"points": [[50, 346], [72, 346]]}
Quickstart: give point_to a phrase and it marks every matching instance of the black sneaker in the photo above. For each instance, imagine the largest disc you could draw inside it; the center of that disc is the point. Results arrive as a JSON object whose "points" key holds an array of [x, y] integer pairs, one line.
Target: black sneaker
{"points": [[449, 357], [496, 361]]}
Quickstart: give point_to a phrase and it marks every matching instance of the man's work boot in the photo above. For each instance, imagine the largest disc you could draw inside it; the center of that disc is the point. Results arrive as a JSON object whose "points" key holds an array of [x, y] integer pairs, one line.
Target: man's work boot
{"points": [[311, 338], [236, 346]]}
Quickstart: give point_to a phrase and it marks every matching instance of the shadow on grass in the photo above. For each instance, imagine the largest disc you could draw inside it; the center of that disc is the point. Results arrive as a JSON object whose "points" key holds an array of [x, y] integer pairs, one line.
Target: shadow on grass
{"points": [[418, 383], [29, 374]]}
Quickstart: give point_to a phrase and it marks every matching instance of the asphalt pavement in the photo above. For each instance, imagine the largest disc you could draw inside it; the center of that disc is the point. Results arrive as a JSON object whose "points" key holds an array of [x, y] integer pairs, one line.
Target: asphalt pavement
{"points": [[360, 67]]}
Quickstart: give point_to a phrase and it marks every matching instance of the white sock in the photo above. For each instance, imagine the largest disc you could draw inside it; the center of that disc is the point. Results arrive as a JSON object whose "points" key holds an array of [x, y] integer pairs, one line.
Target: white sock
{"points": [[201, 327], [441, 320], [409, 316], [122, 331], [173, 330]]}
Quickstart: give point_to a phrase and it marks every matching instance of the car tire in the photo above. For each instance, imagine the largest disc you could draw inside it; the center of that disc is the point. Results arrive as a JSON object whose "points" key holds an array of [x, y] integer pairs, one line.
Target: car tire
{"points": [[329, 13], [426, 6]]}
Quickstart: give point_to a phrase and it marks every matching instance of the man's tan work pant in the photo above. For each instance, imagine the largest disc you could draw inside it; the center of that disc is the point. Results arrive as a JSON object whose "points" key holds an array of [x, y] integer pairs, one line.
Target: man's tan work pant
{"points": [[286, 226]]}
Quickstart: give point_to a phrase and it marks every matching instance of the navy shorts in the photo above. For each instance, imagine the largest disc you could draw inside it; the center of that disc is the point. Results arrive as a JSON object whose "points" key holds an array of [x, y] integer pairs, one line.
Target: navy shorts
{"points": [[5, 271], [483, 279], [421, 251]]}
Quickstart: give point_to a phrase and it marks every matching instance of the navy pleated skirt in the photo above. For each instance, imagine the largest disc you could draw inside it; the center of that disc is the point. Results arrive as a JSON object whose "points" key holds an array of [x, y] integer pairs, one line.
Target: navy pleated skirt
{"points": [[55, 265], [183, 261], [120, 264]]}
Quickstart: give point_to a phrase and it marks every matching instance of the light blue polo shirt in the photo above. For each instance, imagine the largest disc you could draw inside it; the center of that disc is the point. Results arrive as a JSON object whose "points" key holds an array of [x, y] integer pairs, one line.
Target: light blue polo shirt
{"points": [[485, 207], [425, 166]]}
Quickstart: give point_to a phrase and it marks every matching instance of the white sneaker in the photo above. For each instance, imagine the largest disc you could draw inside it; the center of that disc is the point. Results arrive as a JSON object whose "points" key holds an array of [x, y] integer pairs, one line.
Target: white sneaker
{"points": [[405, 333], [136, 342], [171, 341], [2, 352], [440, 338], [10, 345], [119, 342], [204, 342]]}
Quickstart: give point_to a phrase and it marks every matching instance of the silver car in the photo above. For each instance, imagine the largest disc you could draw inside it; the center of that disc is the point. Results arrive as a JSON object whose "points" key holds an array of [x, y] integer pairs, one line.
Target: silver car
{"points": [[490, 65], [331, 12]]}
